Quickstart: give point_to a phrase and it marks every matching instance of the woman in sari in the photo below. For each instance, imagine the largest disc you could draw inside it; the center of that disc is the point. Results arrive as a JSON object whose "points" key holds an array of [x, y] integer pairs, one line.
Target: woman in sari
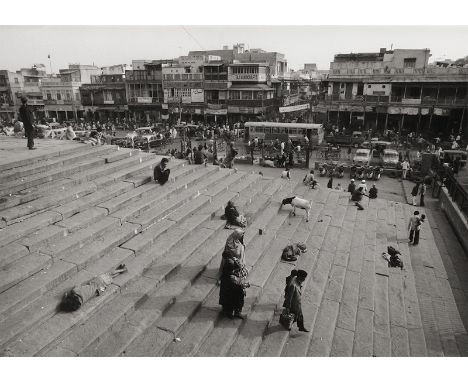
{"points": [[233, 275], [233, 217]]}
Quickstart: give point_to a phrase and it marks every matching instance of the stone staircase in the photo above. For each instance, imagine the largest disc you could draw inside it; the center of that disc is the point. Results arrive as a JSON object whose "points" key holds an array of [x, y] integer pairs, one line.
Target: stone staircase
{"points": [[68, 217]]}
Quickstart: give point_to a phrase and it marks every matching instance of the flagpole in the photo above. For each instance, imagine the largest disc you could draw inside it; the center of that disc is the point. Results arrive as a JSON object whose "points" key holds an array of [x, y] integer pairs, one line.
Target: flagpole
{"points": [[50, 64]]}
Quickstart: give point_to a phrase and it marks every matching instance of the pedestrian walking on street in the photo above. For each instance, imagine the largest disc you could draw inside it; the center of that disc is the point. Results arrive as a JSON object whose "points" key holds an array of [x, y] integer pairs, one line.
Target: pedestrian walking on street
{"points": [[422, 192], [417, 231], [349, 152], [405, 166], [414, 193], [351, 187], [26, 116], [412, 225], [330, 182], [293, 298]]}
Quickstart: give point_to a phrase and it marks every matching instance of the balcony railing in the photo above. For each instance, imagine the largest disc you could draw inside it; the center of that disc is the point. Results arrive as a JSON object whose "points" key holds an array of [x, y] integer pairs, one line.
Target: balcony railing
{"points": [[145, 100], [371, 99], [251, 102]]}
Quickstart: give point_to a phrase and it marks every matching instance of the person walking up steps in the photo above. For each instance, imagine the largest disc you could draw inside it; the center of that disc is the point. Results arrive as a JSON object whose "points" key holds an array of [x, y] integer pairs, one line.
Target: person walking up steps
{"points": [[422, 192], [414, 193], [293, 298], [412, 224], [418, 229]]}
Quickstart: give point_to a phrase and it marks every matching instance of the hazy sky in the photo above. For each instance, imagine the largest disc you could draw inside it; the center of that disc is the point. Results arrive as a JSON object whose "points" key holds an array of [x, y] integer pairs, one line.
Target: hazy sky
{"points": [[22, 46]]}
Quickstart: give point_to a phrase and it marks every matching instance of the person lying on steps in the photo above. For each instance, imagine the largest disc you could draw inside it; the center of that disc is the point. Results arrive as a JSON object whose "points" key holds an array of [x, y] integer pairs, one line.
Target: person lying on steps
{"points": [[74, 299]]}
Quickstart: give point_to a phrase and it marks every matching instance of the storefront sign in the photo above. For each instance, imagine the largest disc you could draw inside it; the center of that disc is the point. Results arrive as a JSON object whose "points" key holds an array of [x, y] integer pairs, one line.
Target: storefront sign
{"points": [[411, 101], [216, 111], [409, 110], [289, 109], [186, 100], [393, 110], [197, 95], [108, 102], [164, 116], [439, 111], [144, 99]]}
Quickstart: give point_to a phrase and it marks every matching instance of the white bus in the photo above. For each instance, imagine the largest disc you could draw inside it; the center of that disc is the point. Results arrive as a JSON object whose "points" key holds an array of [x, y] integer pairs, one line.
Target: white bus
{"points": [[269, 131]]}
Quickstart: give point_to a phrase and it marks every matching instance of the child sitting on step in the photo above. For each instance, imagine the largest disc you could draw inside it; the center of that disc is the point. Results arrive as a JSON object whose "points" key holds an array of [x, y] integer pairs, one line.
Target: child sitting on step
{"points": [[73, 300]]}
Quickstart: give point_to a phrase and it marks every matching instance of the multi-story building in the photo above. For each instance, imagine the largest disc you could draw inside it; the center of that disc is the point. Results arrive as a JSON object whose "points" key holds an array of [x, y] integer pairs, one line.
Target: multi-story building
{"points": [[11, 85], [144, 90], [250, 94], [396, 90], [276, 61], [61, 94], [215, 75], [105, 97], [32, 78], [183, 90]]}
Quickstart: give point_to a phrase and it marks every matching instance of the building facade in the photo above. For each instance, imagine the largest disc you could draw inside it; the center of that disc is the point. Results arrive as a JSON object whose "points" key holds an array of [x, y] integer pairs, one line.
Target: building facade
{"points": [[395, 90], [32, 80], [61, 94], [250, 94], [11, 85], [144, 90]]}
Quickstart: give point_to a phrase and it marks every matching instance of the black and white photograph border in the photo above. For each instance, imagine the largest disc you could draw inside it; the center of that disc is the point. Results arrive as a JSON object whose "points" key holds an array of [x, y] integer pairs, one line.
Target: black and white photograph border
{"points": [[287, 180]]}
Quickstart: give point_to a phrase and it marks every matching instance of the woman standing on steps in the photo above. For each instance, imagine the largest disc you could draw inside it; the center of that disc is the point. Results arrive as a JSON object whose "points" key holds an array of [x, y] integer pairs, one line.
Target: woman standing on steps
{"points": [[233, 275]]}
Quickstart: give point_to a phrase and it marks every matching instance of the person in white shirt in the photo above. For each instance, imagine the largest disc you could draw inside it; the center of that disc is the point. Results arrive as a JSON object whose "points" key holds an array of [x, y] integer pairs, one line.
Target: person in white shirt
{"points": [[363, 186], [412, 225], [285, 174], [405, 168], [282, 148]]}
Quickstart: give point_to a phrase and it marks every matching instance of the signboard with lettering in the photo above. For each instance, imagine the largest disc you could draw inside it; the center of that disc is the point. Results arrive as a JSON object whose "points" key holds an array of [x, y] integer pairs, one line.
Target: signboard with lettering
{"points": [[216, 111], [197, 95], [254, 77], [108, 102], [289, 109], [144, 99]]}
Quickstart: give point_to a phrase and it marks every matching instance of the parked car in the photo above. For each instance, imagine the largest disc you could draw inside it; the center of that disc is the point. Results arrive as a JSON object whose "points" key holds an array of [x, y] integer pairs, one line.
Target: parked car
{"points": [[362, 157], [390, 159]]}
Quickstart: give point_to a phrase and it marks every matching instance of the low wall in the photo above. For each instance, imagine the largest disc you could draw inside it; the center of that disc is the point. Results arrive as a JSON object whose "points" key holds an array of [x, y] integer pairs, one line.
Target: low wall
{"points": [[455, 217]]}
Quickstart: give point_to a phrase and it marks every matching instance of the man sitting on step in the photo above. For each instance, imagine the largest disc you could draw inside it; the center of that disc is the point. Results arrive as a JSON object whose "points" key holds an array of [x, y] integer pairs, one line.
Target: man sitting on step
{"points": [[161, 173], [73, 300]]}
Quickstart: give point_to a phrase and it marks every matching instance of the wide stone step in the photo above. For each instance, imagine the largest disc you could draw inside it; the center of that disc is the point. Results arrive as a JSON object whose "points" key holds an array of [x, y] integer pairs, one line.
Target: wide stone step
{"points": [[15, 272], [63, 150], [149, 309], [36, 326], [185, 305], [53, 162], [16, 231], [138, 193], [64, 266], [61, 172], [79, 238], [119, 155], [12, 252], [82, 219], [176, 207], [24, 211], [111, 169], [93, 199]]}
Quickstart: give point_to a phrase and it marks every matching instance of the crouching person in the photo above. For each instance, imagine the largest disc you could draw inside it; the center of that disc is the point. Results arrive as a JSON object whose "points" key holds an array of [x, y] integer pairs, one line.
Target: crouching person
{"points": [[73, 300], [233, 217], [161, 173], [293, 298]]}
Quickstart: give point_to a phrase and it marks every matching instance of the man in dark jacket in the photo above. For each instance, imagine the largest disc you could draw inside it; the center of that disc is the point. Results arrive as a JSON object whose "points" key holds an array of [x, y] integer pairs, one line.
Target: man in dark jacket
{"points": [[25, 115], [351, 187], [161, 173], [293, 298]]}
